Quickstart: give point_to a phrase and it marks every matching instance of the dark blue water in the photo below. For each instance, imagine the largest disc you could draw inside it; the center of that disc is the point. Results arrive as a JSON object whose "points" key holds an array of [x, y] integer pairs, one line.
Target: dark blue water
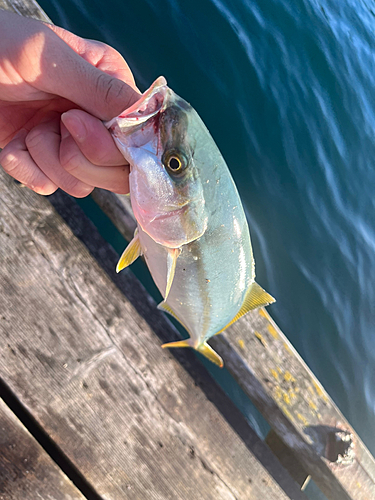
{"points": [[287, 90]]}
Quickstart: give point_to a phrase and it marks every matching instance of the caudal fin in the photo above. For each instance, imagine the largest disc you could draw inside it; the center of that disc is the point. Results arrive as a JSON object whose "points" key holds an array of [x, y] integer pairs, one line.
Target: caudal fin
{"points": [[204, 349]]}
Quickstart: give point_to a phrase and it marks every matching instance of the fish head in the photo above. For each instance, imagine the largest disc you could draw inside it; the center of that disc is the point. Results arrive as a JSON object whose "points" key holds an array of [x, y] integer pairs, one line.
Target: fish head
{"points": [[165, 186]]}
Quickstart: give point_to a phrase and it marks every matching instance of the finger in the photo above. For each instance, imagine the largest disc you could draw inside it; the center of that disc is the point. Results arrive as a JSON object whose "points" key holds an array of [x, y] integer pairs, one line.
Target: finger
{"points": [[113, 178], [99, 54], [43, 143], [17, 162], [66, 73], [93, 138]]}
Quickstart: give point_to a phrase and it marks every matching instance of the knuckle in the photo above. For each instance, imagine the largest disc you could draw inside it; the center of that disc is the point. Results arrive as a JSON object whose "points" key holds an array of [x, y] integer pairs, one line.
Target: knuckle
{"points": [[70, 160], [109, 87], [34, 138]]}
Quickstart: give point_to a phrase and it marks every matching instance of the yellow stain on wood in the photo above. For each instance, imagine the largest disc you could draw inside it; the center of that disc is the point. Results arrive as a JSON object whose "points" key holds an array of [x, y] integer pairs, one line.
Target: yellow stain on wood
{"points": [[311, 390], [261, 338], [292, 395], [286, 398], [287, 348], [275, 374], [313, 405], [320, 391], [288, 377], [302, 419], [241, 343], [358, 484], [263, 313], [273, 331], [287, 412], [278, 393]]}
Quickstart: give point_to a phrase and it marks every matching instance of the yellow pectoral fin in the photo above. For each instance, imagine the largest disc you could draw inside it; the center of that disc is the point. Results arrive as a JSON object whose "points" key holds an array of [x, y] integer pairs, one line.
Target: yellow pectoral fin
{"points": [[172, 257], [130, 254], [255, 297]]}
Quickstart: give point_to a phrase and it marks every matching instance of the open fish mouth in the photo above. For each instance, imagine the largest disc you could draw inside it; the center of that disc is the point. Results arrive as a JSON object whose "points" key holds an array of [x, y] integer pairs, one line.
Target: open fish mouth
{"points": [[149, 104]]}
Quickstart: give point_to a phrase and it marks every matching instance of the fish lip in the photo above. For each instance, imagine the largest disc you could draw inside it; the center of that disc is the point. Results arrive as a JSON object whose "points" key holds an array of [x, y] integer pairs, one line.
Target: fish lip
{"points": [[170, 213], [179, 210], [136, 112]]}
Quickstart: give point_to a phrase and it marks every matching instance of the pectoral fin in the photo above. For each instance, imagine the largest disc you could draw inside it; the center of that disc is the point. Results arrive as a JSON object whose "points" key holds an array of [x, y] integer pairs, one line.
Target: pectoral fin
{"points": [[130, 254], [172, 257], [255, 297]]}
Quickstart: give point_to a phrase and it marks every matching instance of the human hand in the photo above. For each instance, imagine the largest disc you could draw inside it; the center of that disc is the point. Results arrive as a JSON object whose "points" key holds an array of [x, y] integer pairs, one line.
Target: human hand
{"points": [[55, 88]]}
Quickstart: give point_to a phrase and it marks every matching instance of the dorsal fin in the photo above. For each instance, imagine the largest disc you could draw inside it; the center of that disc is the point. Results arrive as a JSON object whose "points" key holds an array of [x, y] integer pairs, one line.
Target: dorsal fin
{"points": [[255, 297]]}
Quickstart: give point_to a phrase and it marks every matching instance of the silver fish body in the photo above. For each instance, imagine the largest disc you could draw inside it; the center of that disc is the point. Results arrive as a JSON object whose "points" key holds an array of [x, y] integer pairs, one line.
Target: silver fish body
{"points": [[192, 229]]}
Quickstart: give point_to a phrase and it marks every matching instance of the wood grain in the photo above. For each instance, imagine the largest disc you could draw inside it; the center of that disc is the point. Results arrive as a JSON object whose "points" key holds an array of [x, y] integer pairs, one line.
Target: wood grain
{"points": [[90, 370], [26, 471], [27, 8]]}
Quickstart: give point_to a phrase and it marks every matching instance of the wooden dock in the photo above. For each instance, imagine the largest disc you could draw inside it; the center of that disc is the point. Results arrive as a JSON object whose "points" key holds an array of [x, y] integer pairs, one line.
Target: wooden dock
{"points": [[91, 407]]}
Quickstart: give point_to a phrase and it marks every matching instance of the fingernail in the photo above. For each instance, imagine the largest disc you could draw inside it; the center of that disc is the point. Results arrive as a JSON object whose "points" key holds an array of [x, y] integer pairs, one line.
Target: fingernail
{"points": [[75, 126]]}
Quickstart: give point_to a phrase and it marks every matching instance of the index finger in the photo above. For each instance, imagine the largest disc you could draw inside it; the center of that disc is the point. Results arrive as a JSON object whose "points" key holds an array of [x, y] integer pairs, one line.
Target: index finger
{"points": [[93, 138]]}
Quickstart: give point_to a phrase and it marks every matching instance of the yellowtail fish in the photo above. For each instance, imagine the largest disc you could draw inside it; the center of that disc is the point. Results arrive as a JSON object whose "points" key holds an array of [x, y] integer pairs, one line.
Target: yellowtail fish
{"points": [[191, 227]]}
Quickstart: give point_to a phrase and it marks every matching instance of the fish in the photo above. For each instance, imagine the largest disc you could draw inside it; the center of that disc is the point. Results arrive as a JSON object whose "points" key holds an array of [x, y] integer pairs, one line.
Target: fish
{"points": [[191, 227]]}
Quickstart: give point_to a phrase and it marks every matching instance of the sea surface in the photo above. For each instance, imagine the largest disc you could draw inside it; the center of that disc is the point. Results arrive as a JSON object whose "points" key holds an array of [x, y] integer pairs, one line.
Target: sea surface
{"points": [[286, 88]]}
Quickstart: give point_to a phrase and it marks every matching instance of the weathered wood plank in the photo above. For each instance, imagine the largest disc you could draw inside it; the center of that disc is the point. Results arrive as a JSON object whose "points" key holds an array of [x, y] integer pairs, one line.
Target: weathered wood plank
{"points": [[289, 396], [90, 370], [26, 471], [27, 8], [293, 401]]}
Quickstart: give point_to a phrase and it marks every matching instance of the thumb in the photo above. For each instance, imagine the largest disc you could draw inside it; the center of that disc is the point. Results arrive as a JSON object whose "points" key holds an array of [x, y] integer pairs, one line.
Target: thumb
{"points": [[65, 73]]}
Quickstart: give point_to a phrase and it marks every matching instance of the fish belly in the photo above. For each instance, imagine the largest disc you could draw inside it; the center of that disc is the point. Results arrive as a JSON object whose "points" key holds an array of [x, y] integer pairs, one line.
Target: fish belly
{"points": [[212, 276]]}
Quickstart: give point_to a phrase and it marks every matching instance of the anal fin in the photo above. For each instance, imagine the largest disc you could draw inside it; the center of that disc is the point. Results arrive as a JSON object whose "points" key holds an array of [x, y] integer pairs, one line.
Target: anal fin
{"points": [[130, 254], [163, 306]]}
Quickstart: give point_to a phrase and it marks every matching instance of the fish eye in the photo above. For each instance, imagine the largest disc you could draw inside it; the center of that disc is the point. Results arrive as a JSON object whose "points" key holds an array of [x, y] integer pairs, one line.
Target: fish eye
{"points": [[174, 163]]}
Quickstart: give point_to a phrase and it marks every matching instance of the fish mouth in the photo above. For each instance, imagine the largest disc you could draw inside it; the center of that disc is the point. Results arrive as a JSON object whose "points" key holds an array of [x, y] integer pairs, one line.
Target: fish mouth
{"points": [[150, 104], [180, 210]]}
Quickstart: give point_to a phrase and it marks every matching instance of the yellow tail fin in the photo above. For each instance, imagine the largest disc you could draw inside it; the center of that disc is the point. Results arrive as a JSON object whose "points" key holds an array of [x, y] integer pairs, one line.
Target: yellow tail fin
{"points": [[178, 343], [204, 349]]}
